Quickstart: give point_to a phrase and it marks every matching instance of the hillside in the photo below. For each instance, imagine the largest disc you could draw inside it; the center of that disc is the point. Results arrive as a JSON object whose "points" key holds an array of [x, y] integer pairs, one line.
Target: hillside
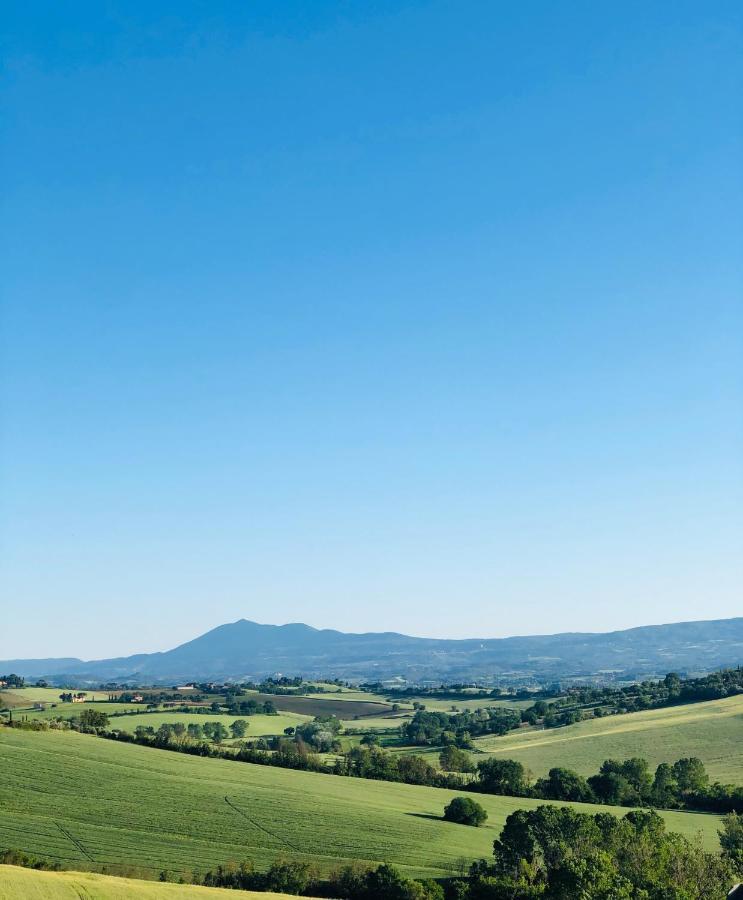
{"points": [[247, 650], [28, 884], [88, 801], [713, 731]]}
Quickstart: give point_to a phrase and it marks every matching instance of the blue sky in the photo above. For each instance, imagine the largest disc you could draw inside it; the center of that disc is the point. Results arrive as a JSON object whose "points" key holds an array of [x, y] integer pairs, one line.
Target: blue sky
{"points": [[415, 316]]}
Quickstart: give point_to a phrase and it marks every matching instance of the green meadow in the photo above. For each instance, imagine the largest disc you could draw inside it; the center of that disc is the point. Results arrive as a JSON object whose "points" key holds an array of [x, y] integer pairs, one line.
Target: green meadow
{"points": [[258, 726], [713, 731], [69, 710], [90, 802], [29, 884]]}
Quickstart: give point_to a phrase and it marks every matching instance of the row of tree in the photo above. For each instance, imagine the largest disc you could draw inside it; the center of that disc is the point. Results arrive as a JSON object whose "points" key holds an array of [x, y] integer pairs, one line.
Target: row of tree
{"points": [[683, 784]]}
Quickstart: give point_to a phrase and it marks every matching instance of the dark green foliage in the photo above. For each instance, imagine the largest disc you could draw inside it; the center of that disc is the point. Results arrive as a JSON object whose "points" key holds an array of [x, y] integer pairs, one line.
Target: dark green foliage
{"points": [[559, 854], [465, 811], [564, 784], [93, 719], [11, 857], [503, 776]]}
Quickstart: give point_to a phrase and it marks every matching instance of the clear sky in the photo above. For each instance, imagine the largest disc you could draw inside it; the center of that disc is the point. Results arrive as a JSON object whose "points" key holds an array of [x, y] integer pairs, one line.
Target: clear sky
{"points": [[414, 316]]}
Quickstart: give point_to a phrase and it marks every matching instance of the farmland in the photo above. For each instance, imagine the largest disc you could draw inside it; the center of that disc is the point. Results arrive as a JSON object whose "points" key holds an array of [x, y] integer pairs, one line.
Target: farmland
{"points": [[713, 731], [27, 696], [322, 705], [69, 710], [258, 725], [91, 802], [28, 884]]}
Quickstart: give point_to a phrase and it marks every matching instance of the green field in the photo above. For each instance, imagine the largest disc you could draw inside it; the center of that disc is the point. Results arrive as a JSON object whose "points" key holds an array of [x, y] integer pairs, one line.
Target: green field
{"points": [[70, 710], [713, 731], [28, 884], [434, 704], [27, 696], [92, 802], [258, 726]]}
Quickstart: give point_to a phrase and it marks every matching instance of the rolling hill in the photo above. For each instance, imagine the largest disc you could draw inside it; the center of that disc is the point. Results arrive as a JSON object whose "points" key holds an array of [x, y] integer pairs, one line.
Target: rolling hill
{"points": [[712, 730], [89, 802], [245, 650]]}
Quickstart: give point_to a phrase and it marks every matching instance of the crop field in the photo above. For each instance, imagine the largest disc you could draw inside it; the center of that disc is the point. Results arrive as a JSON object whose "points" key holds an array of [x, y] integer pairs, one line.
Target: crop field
{"points": [[29, 884], [258, 726], [333, 692], [30, 695], [373, 723], [435, 704], [69, 710], [713, 731], [88, 801], [324, 706]]}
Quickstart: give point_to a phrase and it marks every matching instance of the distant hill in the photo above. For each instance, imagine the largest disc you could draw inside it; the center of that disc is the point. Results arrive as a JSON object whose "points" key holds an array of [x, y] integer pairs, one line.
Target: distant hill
{"points": [[244, 649]]}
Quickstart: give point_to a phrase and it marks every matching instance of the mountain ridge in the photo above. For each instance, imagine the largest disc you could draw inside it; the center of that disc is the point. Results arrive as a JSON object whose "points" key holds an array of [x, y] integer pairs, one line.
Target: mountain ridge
{"points": [[251, 650]]}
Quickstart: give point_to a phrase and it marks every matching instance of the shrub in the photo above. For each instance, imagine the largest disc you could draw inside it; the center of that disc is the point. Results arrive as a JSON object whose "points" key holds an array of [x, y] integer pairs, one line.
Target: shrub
{"points": [[465, 811]]}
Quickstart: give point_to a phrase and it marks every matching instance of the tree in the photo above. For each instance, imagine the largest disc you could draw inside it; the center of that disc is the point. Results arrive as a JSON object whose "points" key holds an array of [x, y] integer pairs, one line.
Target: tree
{"points": [[387, 882], [564, 784], [465, 811], [731, 840], [195, 731], [503, 776], [452, 759], [239, 728], [94, 719], [691, 776], [665, 787]]}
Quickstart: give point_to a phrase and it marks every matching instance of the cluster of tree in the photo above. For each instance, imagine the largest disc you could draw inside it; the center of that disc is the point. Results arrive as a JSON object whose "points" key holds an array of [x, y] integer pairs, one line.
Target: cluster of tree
{"points": [[68, 696], [175, 732], [13, 681], [250, 707], [11, 857], [555, 853], [354, 882], [669, 691], [434, 728], [321, 733], [683, 784], [454, 691]]}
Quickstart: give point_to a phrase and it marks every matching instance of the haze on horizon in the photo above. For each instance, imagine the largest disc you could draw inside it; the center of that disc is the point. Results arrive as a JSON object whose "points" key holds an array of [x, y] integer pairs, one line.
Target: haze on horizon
{"points": [[453, 352]]}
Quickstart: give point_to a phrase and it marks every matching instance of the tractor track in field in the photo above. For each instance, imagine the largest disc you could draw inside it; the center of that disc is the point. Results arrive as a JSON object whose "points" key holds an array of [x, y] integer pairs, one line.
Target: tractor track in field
{"points": [[263, 828], [75, 841]]}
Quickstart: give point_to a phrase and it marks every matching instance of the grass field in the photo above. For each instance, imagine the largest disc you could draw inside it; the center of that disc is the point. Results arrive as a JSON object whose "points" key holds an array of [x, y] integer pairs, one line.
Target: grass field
{"points": [[435, 705], [46, 695], [85, 800], [713, 731], [69, 710], [258, 726], [28, 884]]}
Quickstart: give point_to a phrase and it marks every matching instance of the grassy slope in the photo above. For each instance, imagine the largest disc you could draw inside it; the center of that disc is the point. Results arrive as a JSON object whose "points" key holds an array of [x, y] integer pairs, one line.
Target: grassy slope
{"points": [[258, 726], [70, 710], [48, 695], [82, 799], [713, 731], [28, 884]]}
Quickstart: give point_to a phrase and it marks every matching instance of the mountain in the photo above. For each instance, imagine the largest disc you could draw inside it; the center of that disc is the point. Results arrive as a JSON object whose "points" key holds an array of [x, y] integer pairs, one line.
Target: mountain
{"points": [[247, 650]]}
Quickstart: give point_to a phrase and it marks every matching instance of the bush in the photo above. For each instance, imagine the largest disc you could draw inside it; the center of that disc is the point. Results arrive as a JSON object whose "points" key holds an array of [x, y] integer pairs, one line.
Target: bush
{"points": [[465, 811]]}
